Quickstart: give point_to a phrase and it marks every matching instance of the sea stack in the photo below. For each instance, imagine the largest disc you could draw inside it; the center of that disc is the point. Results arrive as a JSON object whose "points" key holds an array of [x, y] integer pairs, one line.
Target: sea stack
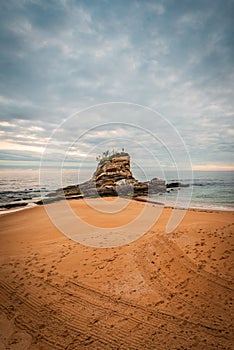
{"points": [[113, 177]]}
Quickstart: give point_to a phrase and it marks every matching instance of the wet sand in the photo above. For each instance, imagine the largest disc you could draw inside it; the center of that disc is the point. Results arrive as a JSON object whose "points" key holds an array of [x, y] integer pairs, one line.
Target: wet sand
{"points": [[162, 291]]}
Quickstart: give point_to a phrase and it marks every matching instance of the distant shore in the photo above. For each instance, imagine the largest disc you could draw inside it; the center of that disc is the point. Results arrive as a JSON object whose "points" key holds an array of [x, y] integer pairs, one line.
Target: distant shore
{"points": [[150, 294]]}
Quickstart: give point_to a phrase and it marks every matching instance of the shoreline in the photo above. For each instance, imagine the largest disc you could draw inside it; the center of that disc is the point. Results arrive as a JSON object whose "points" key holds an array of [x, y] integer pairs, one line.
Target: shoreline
{"points": [[184, 208], [32, 205]]}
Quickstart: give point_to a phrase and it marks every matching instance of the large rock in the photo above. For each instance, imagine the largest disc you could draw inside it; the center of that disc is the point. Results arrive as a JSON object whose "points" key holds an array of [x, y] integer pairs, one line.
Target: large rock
{"points": [[113, 177], [113, 169]]}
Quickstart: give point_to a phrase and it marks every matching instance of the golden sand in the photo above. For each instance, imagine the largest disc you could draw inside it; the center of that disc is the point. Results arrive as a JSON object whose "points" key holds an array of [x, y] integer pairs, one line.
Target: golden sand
{"points": [[163, 291]]}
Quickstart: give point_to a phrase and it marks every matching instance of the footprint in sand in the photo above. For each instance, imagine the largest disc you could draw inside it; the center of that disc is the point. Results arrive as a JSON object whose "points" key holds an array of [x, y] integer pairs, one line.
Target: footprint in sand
{"points": [[20, 341], [10, 338]]}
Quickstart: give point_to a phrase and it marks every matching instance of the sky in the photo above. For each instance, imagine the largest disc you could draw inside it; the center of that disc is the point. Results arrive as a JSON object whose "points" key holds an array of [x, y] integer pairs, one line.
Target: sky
{"points": [[153, 77]]}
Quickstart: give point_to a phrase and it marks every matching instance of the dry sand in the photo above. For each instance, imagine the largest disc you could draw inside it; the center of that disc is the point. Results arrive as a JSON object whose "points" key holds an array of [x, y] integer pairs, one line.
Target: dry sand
{"points": [[163, 291]]}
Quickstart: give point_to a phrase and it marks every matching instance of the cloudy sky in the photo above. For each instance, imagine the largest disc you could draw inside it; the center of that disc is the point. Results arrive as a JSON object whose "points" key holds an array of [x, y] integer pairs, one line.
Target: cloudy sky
{"points": [[60, 58]]}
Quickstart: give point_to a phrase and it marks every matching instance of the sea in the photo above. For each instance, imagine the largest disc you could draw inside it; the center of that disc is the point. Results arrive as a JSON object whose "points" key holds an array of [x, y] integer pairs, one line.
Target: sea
{"points": [[204, 190]]}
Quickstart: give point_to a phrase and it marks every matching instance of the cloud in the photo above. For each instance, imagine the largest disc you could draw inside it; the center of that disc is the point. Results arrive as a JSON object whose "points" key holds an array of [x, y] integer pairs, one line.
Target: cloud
{"points": [[60, 57]]}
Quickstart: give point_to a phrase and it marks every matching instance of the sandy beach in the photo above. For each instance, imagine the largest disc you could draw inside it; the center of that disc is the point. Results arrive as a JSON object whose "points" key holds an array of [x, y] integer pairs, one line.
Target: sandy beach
{"points": [[162, 291]]}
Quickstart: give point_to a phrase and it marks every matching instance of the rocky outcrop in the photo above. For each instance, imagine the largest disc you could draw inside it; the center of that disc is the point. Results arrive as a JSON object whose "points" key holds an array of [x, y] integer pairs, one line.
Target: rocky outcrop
{"points": [[113, 177], [13, 205], [176, 184], [114, 169]]}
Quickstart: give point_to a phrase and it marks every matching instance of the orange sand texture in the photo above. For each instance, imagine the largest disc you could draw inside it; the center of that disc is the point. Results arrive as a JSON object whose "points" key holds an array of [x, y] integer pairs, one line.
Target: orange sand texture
{"points": [[163, 291]]}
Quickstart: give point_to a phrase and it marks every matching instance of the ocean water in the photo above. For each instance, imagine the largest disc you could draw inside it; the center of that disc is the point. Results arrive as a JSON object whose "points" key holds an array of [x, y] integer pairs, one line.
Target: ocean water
{"points": [[207, 189], [25, 186]]}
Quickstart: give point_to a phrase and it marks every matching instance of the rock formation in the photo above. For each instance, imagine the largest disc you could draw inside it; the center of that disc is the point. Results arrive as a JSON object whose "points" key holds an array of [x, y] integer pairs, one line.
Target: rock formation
{"points": [[113, 177], [109, 176]]}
